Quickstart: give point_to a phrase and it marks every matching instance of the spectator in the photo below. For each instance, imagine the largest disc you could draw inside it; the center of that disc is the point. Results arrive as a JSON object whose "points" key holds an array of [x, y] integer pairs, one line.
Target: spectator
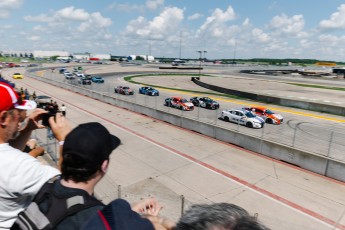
{"points": [[34, 96], [22, 175], [23, 96], [85, 153], [27, 95], [63, 109], [56, 107], [217, 216]]}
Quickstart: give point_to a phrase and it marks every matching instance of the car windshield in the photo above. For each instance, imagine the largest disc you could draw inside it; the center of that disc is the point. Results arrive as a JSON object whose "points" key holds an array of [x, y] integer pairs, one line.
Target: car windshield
{"points": [[125, 88], [207, 99], [250, 115], [183, 100], [269, 111], [43, 97]]}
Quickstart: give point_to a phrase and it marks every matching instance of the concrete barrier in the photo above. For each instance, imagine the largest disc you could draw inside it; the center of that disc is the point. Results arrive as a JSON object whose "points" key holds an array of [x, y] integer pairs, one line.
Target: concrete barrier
{"points": [[316, 163], [319, 107]]}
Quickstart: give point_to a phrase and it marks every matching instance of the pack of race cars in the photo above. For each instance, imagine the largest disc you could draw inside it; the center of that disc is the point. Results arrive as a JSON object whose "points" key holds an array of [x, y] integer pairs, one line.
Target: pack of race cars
{"points": [[252, 117]]}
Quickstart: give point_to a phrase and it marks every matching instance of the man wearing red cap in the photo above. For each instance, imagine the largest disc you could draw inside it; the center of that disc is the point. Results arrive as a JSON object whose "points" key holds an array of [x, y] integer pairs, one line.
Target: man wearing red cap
{"points": [[21, 175]]}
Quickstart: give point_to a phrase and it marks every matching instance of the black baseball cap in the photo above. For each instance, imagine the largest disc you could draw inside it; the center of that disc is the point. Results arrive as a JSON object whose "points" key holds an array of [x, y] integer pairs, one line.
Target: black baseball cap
{"points": [[90, 142]]}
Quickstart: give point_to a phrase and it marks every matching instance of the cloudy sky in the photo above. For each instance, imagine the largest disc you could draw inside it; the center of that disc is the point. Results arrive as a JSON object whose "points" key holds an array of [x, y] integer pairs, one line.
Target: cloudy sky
{"points": [[178, 28]]}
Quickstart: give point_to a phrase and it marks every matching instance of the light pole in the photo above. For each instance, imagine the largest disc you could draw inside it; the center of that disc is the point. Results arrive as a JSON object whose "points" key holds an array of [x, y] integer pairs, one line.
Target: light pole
{"points": [[200, 52]]}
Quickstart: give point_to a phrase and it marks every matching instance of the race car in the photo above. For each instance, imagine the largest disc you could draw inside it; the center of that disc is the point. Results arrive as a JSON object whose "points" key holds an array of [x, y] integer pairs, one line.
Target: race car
{"points": [[147, 90], [84, 81], [17, 76], [97, 79], [242, 117], [179, 103], [125, 90], [269, 116], [205, 102]]}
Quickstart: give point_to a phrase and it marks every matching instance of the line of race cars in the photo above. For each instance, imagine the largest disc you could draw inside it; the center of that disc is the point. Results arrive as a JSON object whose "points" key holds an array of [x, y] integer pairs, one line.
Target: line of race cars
{"points": [[83, 79], [252, 117]]}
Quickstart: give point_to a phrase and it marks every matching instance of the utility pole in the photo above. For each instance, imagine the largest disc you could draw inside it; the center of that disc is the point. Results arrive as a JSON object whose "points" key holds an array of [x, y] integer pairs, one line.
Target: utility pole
{"points": [[200, 58], [180, 45]]}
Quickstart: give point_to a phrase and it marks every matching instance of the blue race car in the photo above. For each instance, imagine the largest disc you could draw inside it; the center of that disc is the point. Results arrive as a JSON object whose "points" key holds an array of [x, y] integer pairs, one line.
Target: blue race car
{"points": [[148, 90], [97, 79]]}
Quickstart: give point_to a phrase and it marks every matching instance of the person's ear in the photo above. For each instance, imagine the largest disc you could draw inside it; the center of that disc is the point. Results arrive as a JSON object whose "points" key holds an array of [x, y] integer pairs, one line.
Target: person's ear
{"points": [[104, 166], [3, 118]]}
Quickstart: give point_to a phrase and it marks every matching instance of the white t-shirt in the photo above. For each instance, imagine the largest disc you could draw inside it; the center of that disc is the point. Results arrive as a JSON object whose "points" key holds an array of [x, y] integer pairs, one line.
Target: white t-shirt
{"points": [[62, 108], [21, 177]]}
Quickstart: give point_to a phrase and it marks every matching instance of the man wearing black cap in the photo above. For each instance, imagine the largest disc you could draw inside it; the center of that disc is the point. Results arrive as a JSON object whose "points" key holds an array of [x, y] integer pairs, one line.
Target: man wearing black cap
{"points": [[85, 152]]}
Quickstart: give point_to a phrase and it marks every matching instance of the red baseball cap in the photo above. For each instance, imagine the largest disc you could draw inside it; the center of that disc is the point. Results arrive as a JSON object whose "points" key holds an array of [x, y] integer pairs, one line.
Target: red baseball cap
{"points": [[10, 99]]}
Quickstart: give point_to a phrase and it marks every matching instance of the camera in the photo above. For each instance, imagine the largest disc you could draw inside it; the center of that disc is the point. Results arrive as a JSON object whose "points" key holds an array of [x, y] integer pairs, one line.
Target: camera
{"points": [[46, 116]]}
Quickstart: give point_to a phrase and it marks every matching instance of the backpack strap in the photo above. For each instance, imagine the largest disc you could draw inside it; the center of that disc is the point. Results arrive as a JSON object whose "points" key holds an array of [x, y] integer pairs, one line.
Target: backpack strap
{"points": [[48, 209]]}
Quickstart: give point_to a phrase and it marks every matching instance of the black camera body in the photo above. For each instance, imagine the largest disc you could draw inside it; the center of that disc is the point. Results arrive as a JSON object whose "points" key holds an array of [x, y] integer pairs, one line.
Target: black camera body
{"points": [[46, 116]]}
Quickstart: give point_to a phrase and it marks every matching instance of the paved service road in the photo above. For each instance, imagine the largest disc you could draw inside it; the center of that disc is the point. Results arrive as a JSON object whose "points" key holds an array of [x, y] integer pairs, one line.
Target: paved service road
{"points": [[164, 161]]}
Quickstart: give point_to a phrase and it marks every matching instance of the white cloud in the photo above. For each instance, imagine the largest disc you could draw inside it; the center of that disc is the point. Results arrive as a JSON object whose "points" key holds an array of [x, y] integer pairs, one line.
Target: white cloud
{"points": [[336, 21], [6, 27], [39, 18], [39, 28], [195, 16], [283, 25], [215, 25], [260, 36], [6, 6], [246, 22], [4, 13], [125, 7], [72, 14], [10, 4], [160, 27], [128, 7], [33, 38], [95, 20], [154, 4], [62, 18]]}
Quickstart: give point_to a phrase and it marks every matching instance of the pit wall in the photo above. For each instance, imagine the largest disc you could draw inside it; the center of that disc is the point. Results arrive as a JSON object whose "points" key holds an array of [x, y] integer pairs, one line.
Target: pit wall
{"points": [[319, 107], [310, 161]]}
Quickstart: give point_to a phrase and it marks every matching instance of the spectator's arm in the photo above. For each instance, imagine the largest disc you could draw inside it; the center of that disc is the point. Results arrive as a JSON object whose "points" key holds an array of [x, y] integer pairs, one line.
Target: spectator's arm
{"points": [[60, 128], [160, 223], [32, 123], [149, 207], [38, 151]]}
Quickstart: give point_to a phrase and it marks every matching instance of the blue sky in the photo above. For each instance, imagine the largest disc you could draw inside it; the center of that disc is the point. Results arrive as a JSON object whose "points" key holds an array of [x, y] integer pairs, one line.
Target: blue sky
{"points": [[178, 28]]}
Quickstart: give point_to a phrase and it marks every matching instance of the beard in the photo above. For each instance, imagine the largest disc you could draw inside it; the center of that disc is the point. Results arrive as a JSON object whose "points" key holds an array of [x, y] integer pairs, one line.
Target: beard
{"points": [[15, 135]]}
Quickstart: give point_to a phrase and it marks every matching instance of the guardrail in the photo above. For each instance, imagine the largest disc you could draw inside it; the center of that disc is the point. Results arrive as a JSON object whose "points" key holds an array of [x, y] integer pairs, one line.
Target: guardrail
{"points": [[301, 145], [327, 108]]}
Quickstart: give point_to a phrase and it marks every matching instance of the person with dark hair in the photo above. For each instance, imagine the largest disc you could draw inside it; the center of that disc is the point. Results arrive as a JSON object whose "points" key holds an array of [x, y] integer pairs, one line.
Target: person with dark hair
{"points": [[222, 216], [85, 159]]}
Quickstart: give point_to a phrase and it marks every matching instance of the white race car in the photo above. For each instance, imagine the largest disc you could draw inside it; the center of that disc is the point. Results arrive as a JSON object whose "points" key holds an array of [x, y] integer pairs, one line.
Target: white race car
{"points": [[242, 117]]}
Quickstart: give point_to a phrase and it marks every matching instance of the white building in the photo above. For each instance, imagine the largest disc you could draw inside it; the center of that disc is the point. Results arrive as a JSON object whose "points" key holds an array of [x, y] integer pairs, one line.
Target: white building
{"points": [[102, 56], [81, 56], [133, 57], [48, 54]]}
